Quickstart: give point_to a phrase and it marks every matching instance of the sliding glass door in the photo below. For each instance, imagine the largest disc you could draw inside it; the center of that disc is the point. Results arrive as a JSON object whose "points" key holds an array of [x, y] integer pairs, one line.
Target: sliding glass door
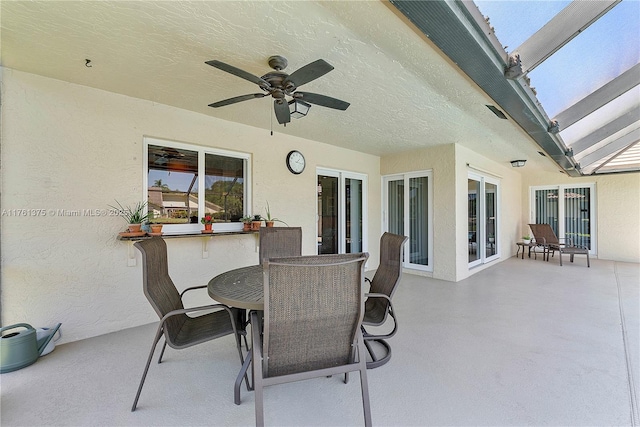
{"points": [[569, 210], [341, 212], [407, 201], [482, 223]]}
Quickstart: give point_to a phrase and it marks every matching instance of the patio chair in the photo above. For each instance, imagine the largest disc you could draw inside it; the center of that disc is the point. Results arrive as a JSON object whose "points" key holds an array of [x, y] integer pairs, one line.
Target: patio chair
{"points": [[313, 309], [280, 242], [378, 304], [545, 235], [179, 330]]}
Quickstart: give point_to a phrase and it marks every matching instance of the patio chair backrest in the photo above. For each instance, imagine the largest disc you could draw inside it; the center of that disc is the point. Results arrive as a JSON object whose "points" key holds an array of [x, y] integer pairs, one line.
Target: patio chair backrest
{"points": [[157, 284], [543, 233], [388, 274], [313, 308], [280, 242]]}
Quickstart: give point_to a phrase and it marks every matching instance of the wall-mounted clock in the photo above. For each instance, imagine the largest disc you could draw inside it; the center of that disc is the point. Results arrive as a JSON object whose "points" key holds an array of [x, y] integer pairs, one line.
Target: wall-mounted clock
{"points": [[295, 162]]}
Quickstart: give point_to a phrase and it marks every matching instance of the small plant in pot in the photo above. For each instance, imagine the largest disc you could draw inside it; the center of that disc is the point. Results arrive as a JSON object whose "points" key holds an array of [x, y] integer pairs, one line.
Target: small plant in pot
{"points": [[207, 220], [256, 222], [269, 220], [133, 215], [246, 220], [526, 239]]}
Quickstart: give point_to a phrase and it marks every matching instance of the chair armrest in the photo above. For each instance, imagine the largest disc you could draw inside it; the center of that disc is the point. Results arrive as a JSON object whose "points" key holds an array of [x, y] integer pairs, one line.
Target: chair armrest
{"points": [[566, 239], [375, 295], [192, 288], [195, 309], [366, 279]]}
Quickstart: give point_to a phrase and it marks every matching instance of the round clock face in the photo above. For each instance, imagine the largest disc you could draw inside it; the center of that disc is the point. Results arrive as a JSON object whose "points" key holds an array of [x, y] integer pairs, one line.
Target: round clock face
{"points": [[295, 162]]}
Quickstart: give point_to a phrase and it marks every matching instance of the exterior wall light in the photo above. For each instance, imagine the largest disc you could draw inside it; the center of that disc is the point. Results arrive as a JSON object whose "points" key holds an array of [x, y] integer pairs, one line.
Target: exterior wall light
{"points": [[518, 163], [298, 108]]}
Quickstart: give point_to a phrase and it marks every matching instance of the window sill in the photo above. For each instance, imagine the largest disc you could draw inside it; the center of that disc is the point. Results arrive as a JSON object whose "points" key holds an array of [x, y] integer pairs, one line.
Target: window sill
{"points": [[183, 235]]}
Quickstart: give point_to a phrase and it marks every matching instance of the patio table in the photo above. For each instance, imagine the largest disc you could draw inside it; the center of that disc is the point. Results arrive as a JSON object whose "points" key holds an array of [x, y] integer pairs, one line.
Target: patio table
{"points": [[240, 288], [530, 245]]}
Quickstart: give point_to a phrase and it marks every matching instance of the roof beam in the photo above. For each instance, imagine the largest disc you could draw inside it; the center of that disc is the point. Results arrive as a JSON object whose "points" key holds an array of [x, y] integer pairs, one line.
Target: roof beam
{"points": [[560, 30], [602, 96], [612, 163], [607, 130], [624, 141]]}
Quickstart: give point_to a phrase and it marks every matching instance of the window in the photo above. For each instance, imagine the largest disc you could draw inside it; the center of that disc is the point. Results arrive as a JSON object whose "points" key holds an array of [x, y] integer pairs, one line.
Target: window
{"points": [[185, 182], [408, 211], [341, 212], [483, 231], [571, 215]]}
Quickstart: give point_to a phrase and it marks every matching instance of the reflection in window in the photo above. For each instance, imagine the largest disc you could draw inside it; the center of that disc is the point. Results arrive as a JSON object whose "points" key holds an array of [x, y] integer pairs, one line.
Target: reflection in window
{"points": [[177, 174], [173, 185], [224, 190]]}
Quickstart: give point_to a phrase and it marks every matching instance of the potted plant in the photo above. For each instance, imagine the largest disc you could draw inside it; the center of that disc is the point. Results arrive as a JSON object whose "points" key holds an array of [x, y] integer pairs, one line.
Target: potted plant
{"points": [[269, 220], [207, 220], [256, 222], [526, 239], [134, 216], [156, 228], [246, 220]]}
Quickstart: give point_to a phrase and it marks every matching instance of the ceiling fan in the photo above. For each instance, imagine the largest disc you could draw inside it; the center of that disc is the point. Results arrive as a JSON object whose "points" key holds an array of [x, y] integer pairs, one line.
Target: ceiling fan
{"points": [[281, 85]]}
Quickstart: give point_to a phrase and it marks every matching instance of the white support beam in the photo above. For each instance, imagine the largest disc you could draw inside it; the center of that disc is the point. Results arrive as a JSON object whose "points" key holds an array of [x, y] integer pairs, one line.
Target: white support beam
{"points": [[602, 96], [624, 141], [567, 24], [607, 130]]}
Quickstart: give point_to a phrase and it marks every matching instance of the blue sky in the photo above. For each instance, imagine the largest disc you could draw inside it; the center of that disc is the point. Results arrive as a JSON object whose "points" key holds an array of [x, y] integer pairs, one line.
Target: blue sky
{"points": [[603, 51]]}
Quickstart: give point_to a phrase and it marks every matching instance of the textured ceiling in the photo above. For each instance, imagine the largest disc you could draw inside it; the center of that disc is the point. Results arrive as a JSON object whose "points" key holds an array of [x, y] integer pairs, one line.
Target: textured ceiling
{"points": [[404, 93]]}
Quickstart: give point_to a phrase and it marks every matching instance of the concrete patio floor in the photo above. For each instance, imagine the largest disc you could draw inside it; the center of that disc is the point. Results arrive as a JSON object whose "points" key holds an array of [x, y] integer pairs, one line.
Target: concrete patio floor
{"points": [[524, 342]]}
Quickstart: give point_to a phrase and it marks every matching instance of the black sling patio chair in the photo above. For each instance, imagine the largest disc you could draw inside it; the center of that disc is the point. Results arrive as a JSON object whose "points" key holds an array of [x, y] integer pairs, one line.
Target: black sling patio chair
{"points": [[280, 242], [179, 330], [378, 306], [313, 309]]}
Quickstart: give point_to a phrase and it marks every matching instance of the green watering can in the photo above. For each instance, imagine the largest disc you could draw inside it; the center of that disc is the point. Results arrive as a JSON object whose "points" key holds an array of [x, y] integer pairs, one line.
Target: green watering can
{"points": [[22, 348]]}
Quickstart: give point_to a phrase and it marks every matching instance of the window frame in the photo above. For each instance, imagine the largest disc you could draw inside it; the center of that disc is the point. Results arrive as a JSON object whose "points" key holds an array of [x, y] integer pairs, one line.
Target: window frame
{"points": [[342, 176], [481, 233], [171, 229], [406, 178]]}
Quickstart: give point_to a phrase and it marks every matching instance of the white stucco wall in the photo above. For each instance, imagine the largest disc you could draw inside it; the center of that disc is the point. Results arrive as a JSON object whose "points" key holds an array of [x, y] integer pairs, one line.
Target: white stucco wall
{"points": [[70, 147], [617, 210], [441, 161]]}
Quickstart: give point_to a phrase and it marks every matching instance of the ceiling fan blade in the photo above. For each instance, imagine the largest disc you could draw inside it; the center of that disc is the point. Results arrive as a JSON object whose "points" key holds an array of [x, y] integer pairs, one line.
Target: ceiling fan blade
{"points": [[282, 111], [309, 72], [237, 99], [324, 101], [238, 72]]}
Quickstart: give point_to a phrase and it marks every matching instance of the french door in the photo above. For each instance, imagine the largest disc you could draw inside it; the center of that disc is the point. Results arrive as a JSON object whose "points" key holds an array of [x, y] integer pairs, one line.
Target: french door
{"points": [[569, 210], [408, 211], [341, 212], [483, 230]]}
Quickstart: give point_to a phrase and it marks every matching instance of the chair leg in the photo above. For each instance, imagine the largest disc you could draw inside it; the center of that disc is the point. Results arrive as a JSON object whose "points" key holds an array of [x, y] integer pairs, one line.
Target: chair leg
{"points": [[162, 352], [588, 263], [364, 386], [242, 374], [146, 368], [258, 383]]}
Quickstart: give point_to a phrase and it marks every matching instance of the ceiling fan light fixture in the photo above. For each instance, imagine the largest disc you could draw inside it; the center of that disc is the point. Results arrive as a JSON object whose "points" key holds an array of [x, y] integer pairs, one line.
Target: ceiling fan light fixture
{"points": [[298, 108]]}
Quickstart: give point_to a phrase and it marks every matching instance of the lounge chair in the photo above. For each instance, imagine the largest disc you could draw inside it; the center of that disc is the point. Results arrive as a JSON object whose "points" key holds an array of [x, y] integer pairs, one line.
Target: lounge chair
{"points": [[545, 235]]}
